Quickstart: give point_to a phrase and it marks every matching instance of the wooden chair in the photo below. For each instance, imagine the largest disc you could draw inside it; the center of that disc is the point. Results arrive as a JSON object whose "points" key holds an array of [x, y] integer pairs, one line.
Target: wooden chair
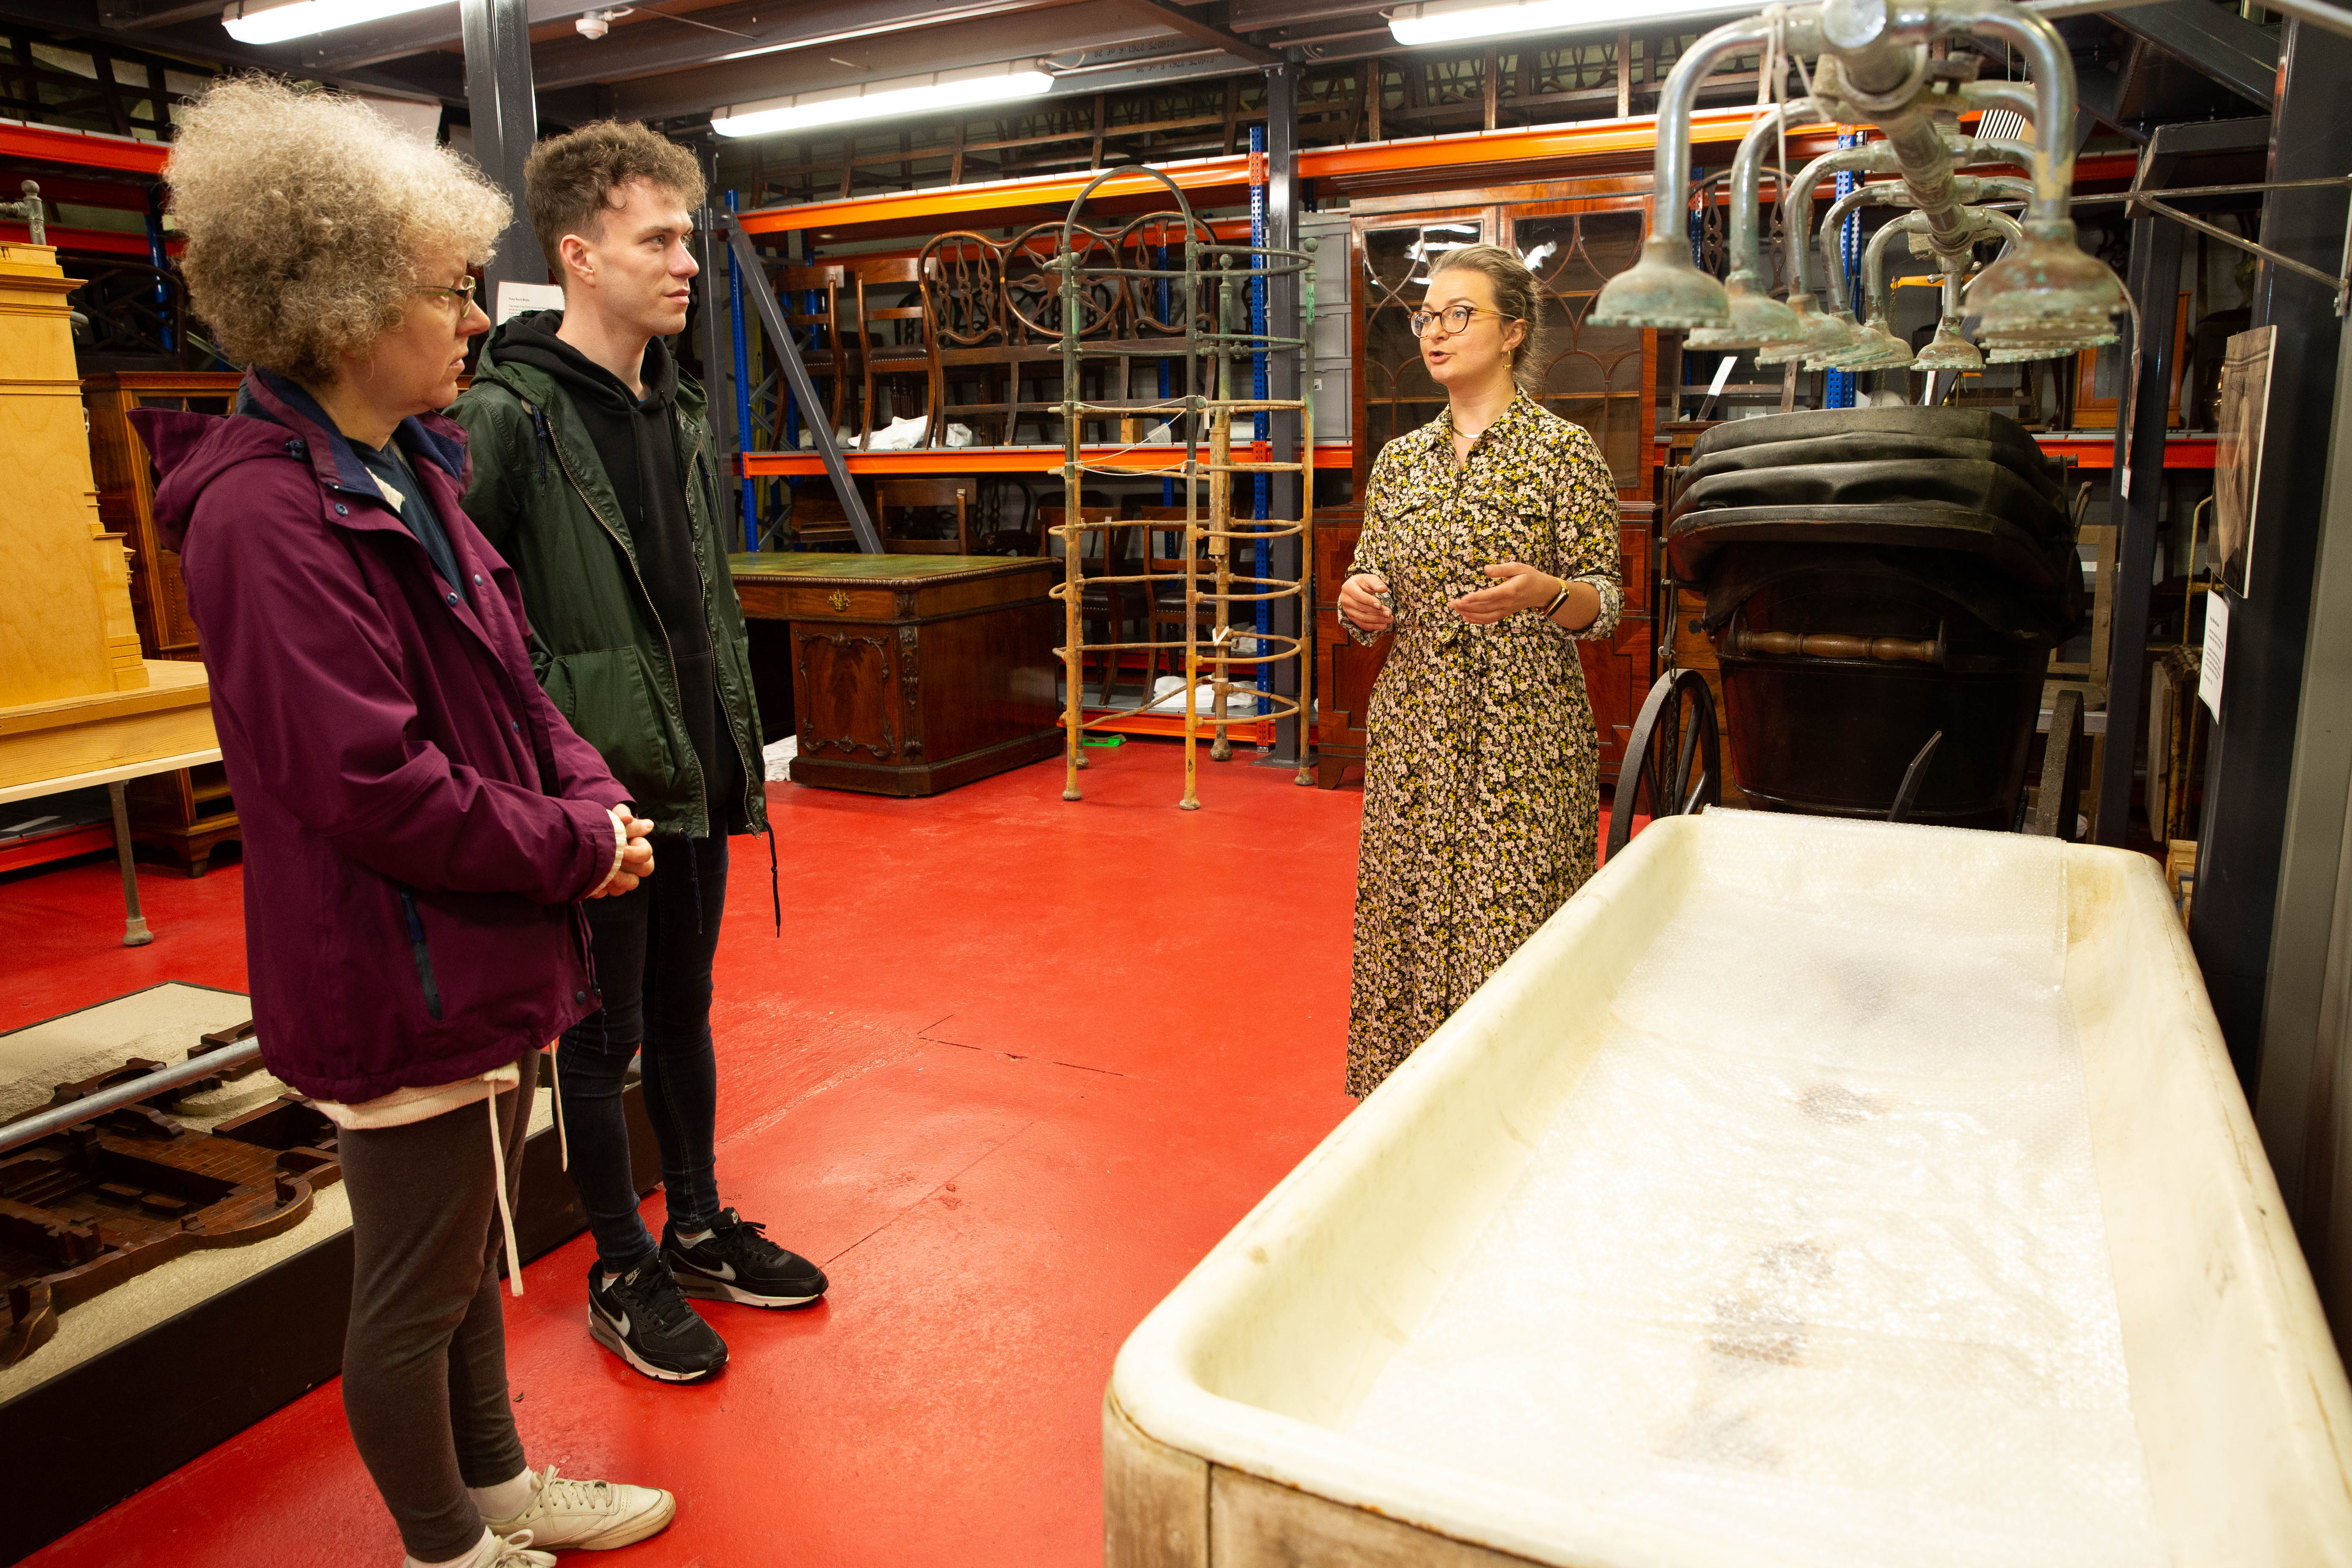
{"points": [[902, 496], [963, 306], [817, 522], [1033, 314], [829, 356], [882, 331], [1102, 552], [1166, 602], [1155, 313]]}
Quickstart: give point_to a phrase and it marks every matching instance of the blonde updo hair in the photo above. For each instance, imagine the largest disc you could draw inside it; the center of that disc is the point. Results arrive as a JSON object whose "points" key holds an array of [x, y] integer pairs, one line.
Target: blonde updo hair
{"points": [[306, 214], [1516, 295]]}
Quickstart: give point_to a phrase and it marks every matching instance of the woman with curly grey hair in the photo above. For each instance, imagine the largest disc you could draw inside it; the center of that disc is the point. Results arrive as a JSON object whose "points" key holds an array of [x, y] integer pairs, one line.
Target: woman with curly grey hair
{"points": [[419, 822]]}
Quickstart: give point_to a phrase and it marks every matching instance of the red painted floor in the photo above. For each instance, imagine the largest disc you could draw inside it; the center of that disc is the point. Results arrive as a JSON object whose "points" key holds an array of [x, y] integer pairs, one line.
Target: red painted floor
{"points": [[1015, 1064]]}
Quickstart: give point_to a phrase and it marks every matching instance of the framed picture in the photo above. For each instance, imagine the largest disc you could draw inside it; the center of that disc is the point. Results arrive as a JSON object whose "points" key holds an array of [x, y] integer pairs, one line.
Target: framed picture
{"points": [[2238, 453]]}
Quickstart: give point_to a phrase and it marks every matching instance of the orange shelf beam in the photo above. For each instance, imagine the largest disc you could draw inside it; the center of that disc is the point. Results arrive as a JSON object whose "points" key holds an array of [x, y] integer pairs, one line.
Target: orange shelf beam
{"points": [[995, 461], [1585, 139], [83, 149]]}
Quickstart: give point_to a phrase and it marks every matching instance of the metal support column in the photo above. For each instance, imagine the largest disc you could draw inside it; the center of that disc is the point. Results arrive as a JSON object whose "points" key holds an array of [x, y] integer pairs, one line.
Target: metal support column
{"points": [[716, 330], [2137, 490], [787, 355], [2241, 844], [506, 123], [1292, 494], [739, 368]]}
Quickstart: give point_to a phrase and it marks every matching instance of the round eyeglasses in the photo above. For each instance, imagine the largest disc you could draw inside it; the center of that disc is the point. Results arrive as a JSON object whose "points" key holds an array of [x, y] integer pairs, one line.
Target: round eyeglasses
{"points": [[1456, 319]]}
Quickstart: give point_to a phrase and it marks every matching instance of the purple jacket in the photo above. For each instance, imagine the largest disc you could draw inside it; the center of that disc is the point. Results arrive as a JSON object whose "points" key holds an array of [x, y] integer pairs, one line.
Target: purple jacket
{"points": [[418, 819]]}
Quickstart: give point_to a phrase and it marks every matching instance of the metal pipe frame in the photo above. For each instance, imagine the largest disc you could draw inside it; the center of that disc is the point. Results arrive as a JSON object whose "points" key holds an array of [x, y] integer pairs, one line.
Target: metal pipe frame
{"points": [[1874, 62], [58, 1118]]}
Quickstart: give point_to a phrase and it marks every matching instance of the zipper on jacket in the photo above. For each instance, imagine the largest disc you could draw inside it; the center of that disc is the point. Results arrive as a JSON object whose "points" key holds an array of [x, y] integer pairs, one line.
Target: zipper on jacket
{"points": [[752, 781], [417, 949], [668, 652]]}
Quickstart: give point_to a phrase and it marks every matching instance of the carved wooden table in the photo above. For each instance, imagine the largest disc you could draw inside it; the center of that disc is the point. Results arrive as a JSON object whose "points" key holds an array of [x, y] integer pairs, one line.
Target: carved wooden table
{"points": [[912, 674]]}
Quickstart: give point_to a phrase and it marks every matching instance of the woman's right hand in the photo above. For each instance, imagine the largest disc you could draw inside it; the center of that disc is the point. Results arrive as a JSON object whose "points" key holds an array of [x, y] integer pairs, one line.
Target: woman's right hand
{"points": [[636, 855], [1357, 604]]}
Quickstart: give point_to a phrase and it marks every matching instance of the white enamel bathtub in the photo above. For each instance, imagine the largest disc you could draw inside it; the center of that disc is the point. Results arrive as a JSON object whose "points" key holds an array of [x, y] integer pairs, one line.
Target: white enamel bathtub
{"points": [[1269, 1410]]}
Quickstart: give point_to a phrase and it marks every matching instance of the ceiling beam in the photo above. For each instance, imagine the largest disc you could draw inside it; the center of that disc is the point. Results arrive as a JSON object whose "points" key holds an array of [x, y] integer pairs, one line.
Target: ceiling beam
{"points": [[678, 94], [396, 37], [644, 46], [2222, 44], [1201, 31]]}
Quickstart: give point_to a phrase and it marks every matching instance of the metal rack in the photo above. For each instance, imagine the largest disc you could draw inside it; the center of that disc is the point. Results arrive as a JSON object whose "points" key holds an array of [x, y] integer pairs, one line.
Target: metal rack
{"points": [[1211, 276]]}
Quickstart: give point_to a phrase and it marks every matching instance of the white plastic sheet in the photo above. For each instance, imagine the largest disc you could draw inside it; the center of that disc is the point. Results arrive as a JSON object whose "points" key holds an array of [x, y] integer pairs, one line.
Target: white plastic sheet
{"points": [[1812, 1258]]}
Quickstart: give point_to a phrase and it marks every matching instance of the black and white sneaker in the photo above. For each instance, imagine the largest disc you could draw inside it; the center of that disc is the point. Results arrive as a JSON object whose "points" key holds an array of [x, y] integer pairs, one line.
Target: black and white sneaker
{"points": [[642, 1318], [737, 1262]]}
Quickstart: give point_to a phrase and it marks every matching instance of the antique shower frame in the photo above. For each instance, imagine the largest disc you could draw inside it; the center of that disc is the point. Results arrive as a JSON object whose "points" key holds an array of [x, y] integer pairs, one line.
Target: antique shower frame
{"points": [[1208, 538]]}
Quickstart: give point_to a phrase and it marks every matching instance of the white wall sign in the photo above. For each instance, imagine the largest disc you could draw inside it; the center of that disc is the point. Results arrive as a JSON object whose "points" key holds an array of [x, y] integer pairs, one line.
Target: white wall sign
{"points": [[514, 298], [2217, 647]]}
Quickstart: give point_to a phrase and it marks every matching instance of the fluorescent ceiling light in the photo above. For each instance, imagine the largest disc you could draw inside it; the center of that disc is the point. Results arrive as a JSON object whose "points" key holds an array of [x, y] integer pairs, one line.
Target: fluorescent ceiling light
{"points": [[880, 101], [1452, 21], [249, 24]]}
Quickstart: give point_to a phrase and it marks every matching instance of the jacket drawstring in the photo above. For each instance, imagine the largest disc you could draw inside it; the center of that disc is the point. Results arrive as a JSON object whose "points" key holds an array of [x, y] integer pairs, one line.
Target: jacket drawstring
{"points": [[775, 889], [506, 1210], [562, 1137]]}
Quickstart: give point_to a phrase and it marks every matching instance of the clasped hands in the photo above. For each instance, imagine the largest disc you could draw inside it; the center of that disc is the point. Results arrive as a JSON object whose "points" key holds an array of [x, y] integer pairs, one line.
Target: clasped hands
{"points": [[636, 854], [1517, 586]]}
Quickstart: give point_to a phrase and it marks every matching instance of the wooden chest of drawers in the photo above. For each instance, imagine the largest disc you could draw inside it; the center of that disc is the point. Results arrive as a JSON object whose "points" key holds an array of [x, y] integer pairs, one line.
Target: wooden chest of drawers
{"points": [[911, 674]]}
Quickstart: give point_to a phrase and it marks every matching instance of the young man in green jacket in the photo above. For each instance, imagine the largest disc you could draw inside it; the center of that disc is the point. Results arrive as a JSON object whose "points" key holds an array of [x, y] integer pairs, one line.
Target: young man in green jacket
{"points": [[594, 478]]}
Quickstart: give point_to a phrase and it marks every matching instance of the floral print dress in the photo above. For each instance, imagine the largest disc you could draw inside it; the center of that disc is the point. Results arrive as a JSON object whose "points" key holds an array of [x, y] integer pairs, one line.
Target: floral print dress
{"points": [[1482, 784]]}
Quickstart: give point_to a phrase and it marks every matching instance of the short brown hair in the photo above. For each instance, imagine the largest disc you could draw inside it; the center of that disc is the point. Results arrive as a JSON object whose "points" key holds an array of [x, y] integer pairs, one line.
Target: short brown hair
{"points": [[1516, 295], [307, 216], [569, 182]]}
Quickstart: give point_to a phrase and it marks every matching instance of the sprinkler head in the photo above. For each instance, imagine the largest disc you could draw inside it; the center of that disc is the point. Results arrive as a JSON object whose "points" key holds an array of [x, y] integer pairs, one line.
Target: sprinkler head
{"points": [[1831, 339], [2045, 282], [1755, 318], [1948, 350], [1662, 289], [2048, 343]]}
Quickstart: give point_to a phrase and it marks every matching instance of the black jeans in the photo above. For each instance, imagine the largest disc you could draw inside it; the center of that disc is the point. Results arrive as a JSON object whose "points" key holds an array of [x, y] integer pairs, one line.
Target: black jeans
{"points": [[424, 1357], [653, 949]]}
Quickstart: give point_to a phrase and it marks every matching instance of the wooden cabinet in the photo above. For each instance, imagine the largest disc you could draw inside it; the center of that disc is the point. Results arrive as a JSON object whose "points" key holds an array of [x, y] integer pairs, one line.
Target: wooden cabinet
{"points": [[1344, 672], [189, 813], [1575, 235], [911, 674]]}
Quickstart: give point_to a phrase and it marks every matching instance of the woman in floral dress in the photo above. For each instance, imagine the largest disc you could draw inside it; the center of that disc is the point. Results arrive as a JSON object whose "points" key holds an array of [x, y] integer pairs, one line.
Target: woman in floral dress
{"points": [[1490, 544]]}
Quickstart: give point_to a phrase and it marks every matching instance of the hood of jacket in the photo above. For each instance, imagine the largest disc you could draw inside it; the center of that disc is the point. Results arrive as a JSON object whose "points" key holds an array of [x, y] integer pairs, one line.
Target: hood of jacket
{"points": [[520, 354], [274, 421]]}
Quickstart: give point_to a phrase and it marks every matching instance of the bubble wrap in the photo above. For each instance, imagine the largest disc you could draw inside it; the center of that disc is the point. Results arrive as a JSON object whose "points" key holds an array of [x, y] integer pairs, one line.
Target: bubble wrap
{"points": [[1813, 1258]]}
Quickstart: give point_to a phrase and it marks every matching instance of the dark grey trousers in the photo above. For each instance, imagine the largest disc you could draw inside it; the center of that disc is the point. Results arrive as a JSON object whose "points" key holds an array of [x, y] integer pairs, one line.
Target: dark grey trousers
{"points": [[424, 1359]]}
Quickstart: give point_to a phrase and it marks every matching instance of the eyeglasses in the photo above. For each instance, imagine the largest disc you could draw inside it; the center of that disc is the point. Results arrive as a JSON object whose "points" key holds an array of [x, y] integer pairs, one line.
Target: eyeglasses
{"points": [[463, 296], [1456, 317]]}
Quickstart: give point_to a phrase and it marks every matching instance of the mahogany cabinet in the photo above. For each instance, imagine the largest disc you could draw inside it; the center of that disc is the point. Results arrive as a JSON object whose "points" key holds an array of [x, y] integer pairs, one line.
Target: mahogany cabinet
{"points": [[188, 812], [911, 674]]}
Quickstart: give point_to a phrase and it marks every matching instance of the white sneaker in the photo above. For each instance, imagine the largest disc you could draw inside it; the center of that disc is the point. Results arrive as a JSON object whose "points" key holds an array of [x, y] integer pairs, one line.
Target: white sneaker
{"points": [[505, 1551], [565, 1514]]}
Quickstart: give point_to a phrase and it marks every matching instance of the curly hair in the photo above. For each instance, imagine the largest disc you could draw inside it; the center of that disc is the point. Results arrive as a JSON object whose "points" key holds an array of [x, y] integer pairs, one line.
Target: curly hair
{"points": [[308, 218], [568, 181], [1517, 296]]}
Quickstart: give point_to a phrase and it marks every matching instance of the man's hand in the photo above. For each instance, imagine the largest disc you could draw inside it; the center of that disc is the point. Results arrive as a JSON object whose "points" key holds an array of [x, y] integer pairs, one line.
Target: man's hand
{"points": [[1357, 604], [636, 854], [1515, 587]]}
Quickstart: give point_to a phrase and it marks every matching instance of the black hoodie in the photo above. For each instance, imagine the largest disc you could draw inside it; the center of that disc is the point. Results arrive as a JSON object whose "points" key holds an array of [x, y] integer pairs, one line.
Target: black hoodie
{"points": [[637, 439]]}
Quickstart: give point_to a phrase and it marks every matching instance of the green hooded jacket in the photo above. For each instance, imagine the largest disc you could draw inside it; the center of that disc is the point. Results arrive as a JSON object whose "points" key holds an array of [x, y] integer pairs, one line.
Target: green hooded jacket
{"points": [[541, 495]]}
